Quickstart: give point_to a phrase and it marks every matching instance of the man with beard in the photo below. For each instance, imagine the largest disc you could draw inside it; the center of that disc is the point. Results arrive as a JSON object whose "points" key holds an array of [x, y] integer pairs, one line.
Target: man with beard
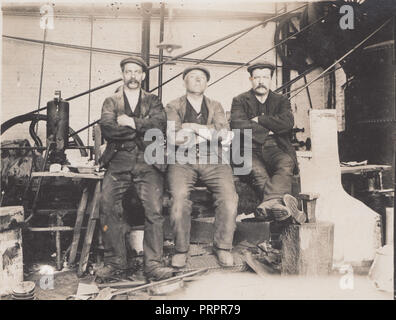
{"points": [[274, 161], [126, 116]]}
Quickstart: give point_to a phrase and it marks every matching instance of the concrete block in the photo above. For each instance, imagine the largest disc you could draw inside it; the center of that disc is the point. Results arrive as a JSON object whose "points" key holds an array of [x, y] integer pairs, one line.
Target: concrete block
{"points": [[307, 249]]}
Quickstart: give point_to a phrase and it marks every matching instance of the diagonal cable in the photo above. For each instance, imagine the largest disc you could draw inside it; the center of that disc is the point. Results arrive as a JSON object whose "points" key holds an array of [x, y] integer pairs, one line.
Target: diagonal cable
{"points": [[266, 51], [342, 58]]}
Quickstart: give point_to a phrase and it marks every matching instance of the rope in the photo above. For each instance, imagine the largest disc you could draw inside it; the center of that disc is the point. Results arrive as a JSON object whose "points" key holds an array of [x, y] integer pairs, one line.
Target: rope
{"points": [[116, 52]]}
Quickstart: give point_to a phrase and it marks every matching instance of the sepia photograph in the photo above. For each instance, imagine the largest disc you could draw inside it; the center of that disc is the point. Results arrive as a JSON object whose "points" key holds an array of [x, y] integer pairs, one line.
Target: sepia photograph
{"points": [[197, 150]]}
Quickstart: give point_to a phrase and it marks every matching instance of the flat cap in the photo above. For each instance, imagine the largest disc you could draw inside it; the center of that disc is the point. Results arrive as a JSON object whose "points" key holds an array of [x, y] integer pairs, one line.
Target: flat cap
{"points": [[191, 68], [261, 65], [136, 60]]}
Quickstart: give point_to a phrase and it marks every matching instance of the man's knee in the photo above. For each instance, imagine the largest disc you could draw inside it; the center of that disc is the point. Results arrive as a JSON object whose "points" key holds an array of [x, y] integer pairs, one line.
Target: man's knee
{"points": [[180, 200], [228, 200], [285, 165], [107, 204]]}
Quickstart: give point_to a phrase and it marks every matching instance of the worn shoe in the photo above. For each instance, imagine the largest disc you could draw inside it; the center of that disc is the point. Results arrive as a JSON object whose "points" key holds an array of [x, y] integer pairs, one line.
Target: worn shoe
{"points": [[109, 271], [292, 204], [279, 211], [179, 260], [224, 257], [275, 209], [160, 273], [261, 213]]}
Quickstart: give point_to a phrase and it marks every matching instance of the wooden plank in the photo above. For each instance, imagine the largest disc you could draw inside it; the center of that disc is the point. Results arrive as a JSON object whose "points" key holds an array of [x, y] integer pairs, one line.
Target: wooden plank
{"points": [[261, 269], [98, 141], [364, 168], [93, 216], [97, 176], [77, 227], [154, 283], [122, 284], [50, 229], [62, 212], [58, 244]]}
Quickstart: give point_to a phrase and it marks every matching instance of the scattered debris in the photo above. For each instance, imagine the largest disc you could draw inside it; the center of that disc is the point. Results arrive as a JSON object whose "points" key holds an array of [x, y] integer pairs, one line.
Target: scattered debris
{"points": [[261, 269], [105, 294], [109, 293], [86, 289], [163, 289], [122, 284], [76, 297], [24, 291]]}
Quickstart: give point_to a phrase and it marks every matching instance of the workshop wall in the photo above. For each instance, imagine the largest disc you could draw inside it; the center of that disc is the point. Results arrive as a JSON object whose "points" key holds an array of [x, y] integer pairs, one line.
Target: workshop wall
{"points": [[67, 69]]}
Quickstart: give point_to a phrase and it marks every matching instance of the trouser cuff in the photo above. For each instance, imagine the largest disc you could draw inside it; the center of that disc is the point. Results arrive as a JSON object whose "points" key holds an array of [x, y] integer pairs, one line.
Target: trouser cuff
{"points": [[222, 246]]}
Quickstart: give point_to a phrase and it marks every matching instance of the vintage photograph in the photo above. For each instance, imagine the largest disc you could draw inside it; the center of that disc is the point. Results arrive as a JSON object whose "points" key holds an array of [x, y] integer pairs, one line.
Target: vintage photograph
{"points": [[197, 150]]}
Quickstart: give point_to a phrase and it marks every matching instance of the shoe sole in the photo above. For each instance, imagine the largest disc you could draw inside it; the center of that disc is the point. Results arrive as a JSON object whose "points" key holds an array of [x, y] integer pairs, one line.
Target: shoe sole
{"points": [[178, 266], [292, 204], [163, 276]]}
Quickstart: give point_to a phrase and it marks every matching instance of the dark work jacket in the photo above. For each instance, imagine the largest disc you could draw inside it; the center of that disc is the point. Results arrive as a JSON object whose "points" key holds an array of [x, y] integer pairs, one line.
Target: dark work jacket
{"points": [[125, 145], [279, 119]]}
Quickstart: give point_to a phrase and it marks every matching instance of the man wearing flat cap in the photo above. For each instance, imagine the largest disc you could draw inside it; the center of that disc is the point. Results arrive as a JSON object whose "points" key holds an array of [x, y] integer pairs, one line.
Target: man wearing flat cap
{"points": [[274, 161], [202, 119], [126, 116]]}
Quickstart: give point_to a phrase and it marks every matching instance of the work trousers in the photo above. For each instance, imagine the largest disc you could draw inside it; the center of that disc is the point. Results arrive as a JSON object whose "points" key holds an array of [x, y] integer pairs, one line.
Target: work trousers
{"points": [[219, 180], [272, 170], [148, 182]]}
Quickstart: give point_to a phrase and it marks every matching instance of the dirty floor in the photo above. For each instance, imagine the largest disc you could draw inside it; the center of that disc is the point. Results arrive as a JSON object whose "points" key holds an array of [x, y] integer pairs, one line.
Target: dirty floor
{"points": [[222, 284]]}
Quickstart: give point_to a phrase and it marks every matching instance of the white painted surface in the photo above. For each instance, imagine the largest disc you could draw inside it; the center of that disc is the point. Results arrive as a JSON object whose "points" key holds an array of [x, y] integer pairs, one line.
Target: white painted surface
{"points": [[356, 230]]}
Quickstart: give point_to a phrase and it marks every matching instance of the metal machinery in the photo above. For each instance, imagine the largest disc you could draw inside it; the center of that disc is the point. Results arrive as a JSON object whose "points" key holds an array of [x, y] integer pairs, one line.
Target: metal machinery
{"points": [[369, 89]]}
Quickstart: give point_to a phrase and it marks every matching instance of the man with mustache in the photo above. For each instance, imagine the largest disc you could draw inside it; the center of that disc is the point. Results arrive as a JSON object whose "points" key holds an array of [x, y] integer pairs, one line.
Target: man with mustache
{"points": [[274, 161], [126, 116]]}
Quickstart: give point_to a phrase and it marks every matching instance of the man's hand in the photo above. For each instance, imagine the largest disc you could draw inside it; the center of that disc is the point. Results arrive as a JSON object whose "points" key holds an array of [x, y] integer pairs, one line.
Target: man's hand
{"points": [[190, 125], [226, 141], [204, 132], [199, 129], [255, 119], [126, 121], [187, 125]]}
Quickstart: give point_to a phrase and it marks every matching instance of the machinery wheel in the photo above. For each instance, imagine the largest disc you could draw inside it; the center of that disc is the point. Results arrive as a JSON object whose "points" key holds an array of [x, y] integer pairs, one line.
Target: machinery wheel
{"points": [[293, 51]]}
